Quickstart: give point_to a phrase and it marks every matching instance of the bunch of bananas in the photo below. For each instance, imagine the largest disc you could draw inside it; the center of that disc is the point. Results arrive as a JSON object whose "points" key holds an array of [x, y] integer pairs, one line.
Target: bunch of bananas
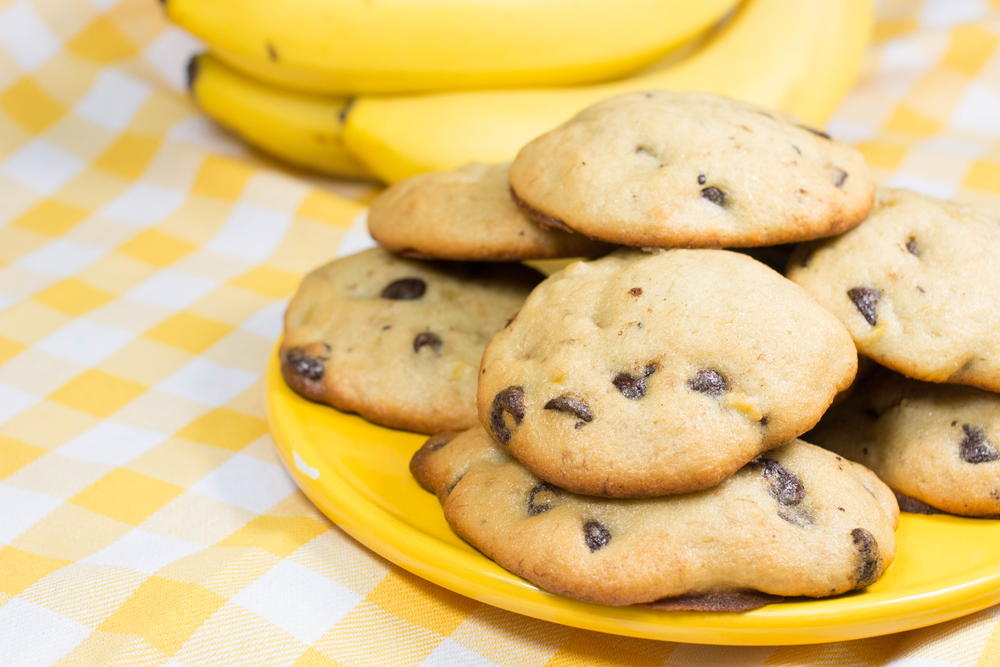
{"points": [[387, 89]]}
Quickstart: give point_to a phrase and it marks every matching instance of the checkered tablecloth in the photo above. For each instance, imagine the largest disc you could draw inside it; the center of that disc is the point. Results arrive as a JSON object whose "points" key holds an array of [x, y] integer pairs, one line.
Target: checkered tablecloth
{"points": [[145, 257]]}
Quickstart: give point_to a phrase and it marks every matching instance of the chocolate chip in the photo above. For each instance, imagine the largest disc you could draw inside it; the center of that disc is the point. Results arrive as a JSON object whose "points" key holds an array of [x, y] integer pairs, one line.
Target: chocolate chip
{"points": [[701, 179], [426, 338], [405, 289], [818, 133], [633, 386], [509, 401], [635, 291], [911, 247], [595, 535], [572, 405], [714, 195], [839, 177], [975, 448], [306, 365], [708, 381], [867, 569], [785, 487], [541, 498], [866, 300]]}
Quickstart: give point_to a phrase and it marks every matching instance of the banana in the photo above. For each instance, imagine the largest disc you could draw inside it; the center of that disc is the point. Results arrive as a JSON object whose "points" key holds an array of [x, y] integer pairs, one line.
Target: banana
{"points": [[360, 46], [800, 56], [304, 130]]}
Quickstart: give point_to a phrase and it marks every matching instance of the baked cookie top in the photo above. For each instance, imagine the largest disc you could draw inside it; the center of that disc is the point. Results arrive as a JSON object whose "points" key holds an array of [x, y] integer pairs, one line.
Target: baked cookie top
{"points": [[649, 373], [916, 286], [798, 521], [466, 214], [670, 169], [938, 444], [398, 340]]}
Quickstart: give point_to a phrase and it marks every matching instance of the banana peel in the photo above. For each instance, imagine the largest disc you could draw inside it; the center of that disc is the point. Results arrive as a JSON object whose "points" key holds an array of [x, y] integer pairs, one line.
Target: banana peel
{"points": [[392, 46], [799, 56], [300, 129]]}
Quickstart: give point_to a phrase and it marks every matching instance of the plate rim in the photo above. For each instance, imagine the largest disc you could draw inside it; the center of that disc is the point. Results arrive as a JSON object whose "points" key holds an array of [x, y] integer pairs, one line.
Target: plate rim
{"points": [[347, 507]]}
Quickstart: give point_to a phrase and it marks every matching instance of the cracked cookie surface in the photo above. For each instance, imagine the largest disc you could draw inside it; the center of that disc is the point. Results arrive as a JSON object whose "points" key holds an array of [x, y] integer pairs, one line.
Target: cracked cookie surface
{"points": [[798, 521], [669, 169], [649, 373], [938, 444], [916, 286], [398, 340], [466, 214]]}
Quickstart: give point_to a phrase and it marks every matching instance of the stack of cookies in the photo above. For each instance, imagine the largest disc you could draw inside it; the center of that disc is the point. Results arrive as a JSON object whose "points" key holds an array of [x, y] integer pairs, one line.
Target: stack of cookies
{"points": [[626, 430], [914, 285]]}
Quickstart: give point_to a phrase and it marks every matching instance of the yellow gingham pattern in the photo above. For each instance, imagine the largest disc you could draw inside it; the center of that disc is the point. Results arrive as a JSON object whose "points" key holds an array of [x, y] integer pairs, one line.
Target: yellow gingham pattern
{"points": [[144, 261]]}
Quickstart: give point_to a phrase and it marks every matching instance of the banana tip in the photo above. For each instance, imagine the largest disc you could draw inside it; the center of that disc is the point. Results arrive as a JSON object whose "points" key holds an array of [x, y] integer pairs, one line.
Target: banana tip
{"points": [[346, 109], [192, 71]]}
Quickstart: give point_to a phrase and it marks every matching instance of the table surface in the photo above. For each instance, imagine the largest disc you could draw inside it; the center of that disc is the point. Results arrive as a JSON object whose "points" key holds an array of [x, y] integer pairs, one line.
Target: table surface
{"points": [[145, 259]]}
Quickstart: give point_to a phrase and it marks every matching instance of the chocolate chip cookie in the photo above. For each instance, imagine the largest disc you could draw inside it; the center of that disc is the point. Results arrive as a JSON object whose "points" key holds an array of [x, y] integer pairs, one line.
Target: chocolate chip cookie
{"points": [[398, 340], [797, 521], [466, 214], [671, 169], [937, 445], [916, 286], [650, 373]]}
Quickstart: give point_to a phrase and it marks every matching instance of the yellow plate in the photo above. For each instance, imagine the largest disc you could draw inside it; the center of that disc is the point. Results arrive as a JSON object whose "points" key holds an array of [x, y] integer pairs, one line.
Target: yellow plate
{"points": [[357, 474]]}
